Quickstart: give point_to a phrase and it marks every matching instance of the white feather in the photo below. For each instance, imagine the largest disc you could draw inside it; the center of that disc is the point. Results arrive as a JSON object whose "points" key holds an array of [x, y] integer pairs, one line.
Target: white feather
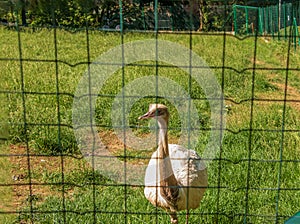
{"points": [[180, 167], [190, 172]]}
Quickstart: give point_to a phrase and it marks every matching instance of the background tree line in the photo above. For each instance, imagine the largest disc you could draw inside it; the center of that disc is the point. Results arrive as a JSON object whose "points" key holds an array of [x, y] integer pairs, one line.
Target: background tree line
{"points": [[205, 15]]}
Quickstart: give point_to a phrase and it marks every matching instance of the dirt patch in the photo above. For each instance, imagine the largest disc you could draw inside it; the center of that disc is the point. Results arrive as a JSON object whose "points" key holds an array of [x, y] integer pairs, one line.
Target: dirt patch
{"points": [[114, 144], [36, 167], [257, 62], [25, 162], [111, 141], [292, 95]]}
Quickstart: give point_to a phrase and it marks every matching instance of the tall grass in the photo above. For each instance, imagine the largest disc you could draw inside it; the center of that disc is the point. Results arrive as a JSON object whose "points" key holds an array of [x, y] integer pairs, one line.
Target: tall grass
{"points": [[257, 157]]}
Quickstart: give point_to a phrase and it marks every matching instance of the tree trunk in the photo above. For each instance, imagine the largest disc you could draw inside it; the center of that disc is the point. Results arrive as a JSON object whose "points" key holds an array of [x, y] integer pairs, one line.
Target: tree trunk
{"points": [[23, 12], [201, 14]]}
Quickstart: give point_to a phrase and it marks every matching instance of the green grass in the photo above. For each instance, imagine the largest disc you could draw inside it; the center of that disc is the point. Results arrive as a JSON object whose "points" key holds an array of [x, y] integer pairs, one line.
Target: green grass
{"points": [[6, 197], [236, 185], [5, 177]]}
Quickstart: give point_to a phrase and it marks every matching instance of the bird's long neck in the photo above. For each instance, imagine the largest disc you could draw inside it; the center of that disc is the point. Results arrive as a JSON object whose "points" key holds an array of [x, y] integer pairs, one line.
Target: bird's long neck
{"points": [[168, 182], [163, 149]]}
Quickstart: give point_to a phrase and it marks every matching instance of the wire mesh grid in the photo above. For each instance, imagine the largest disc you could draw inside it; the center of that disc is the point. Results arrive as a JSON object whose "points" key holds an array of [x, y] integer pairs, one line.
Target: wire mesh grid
{"points": [[254, 177], [274, 19]]}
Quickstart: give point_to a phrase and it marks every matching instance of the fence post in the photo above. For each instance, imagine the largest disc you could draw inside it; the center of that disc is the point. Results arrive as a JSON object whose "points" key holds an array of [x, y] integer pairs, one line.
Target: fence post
{"points": [[260, 25], [247, 21], [121, 16], [267, 20], [234, 20], [280, 24], [143, 16], [156, 15], [264, 20], [279, 18], [284, 18], [295, 33], [271, 20]]}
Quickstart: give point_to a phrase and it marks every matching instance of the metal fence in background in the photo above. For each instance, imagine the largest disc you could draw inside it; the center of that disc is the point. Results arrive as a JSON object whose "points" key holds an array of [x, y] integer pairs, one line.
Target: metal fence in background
{"points": [[280, 21]]}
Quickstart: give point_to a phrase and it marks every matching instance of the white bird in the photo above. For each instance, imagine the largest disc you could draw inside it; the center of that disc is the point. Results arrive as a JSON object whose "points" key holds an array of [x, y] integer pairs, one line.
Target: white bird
{"points": [[176, 178]]}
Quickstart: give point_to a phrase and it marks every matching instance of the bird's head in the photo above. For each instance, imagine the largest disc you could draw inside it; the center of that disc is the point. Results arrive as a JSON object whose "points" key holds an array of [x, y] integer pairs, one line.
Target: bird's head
{"points": [[158, 111]]}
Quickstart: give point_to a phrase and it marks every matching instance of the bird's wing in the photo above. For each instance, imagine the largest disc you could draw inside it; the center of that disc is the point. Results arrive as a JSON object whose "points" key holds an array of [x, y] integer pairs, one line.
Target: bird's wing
{"points": [[189, 170], [180, 156]]}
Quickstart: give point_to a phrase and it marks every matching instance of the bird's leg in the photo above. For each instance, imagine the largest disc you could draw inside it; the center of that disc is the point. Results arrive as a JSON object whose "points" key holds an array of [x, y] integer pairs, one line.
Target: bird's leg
{"points": [[174, 219], [187, 217]]}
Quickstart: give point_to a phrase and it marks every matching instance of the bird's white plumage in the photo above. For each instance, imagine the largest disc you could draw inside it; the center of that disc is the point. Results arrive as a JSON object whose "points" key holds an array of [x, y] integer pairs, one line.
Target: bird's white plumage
{"points": [[190, 172], [176, 178]]}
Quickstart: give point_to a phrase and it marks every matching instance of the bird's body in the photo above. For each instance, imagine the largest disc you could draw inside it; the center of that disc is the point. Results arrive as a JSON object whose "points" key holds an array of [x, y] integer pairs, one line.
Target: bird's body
{"points": [[189, 171], [176, 178]]}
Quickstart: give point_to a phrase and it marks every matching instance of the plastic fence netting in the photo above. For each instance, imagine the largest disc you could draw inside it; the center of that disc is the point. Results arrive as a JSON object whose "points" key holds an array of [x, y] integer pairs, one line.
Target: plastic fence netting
{"points": [[77, 75], [280, 21]]}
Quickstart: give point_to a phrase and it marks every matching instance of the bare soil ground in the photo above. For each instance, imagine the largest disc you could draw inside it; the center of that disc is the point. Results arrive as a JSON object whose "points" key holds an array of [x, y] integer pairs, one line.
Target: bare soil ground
{"points": [[40, 164], [292, 94], [39, 189]]}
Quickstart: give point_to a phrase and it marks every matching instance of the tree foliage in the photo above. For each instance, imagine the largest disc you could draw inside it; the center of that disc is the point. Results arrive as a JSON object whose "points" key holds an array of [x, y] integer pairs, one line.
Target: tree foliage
{"points": [[204, 15]]}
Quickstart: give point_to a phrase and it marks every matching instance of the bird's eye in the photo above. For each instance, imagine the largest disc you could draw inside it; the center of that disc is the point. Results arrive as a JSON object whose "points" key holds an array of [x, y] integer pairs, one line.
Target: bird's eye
{"points": [[158, 112]]}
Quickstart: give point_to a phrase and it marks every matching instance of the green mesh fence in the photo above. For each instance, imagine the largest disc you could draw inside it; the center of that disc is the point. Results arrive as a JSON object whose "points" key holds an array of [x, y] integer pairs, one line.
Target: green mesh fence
{"points": [[46, 175], [281, 20]]}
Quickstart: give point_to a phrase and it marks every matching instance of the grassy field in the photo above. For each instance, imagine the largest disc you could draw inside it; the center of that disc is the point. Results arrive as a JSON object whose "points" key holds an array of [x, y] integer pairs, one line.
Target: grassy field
{"points": [[257, 156]]}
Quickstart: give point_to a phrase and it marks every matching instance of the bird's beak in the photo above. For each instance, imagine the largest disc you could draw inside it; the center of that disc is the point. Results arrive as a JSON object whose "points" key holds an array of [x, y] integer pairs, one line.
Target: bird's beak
{"points": [[145, 116]]}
